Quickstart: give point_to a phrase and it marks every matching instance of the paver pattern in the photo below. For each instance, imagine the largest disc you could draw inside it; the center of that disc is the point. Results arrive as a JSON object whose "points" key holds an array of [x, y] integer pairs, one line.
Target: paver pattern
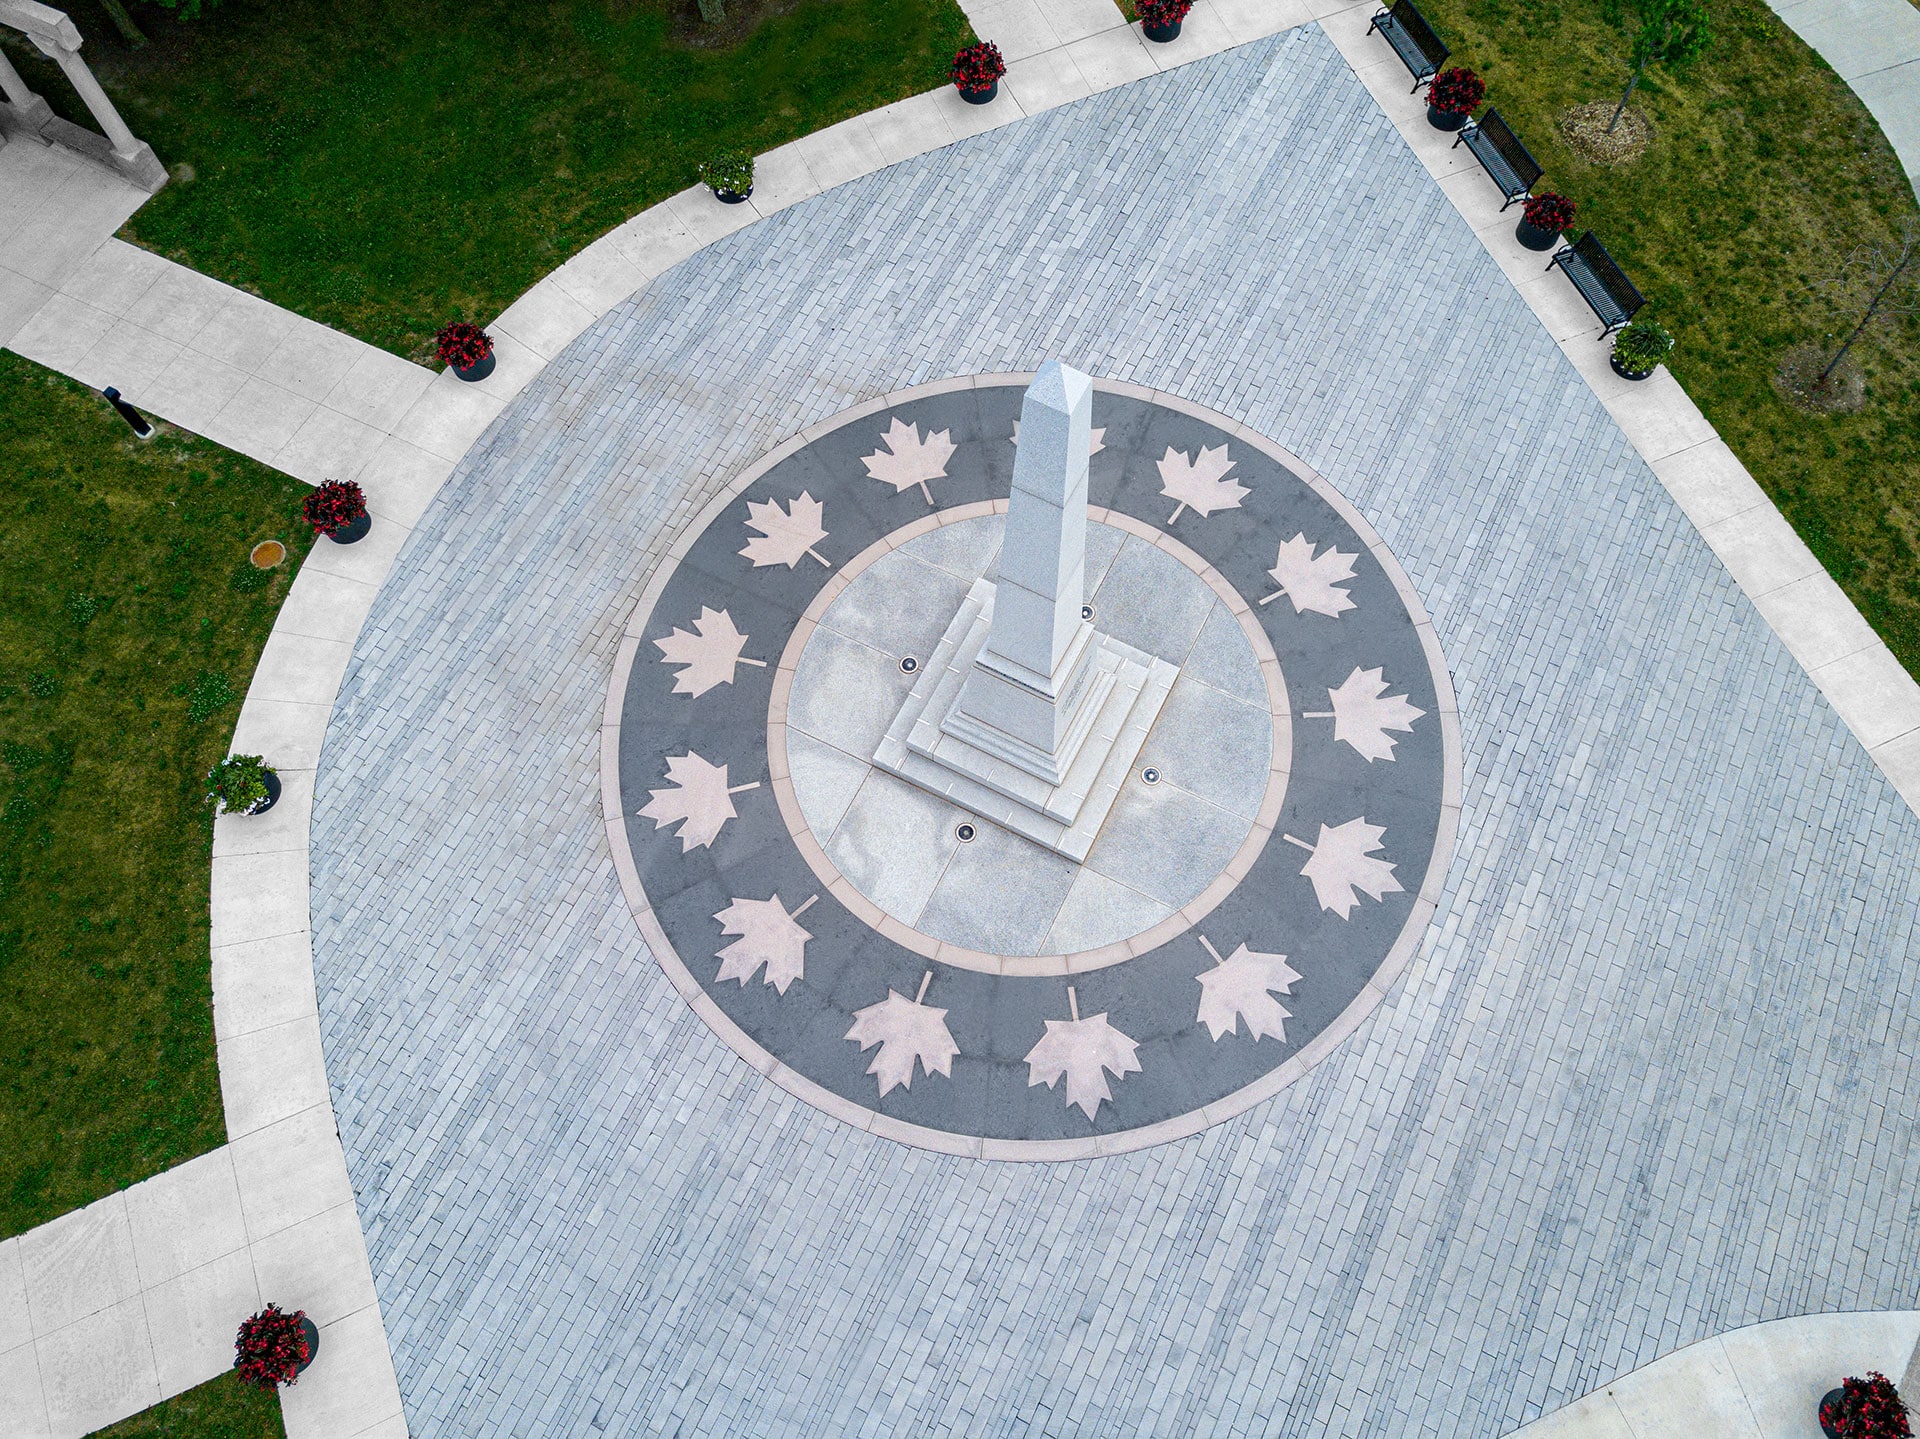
{"points": [[1645, 1082]]}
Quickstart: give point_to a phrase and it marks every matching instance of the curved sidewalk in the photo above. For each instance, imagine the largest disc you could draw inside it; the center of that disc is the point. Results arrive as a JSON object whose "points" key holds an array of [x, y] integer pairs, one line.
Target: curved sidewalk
{"points": [[1760, 1382], [215, 360]]}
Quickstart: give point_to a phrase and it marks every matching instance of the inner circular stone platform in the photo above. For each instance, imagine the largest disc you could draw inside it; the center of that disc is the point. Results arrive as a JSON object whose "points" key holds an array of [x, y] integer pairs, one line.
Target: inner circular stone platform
{"points": [[1002, 896]]}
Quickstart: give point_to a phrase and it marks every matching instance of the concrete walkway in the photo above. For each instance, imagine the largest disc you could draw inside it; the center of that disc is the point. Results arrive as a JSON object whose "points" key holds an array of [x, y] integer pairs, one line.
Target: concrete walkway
{"points": [[1761, 1382], [272, 1214]]}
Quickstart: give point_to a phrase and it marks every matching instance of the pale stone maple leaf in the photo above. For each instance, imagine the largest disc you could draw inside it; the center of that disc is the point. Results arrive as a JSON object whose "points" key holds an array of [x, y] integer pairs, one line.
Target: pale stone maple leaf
{"points": [[708, 658], [1079, 1049], [1342, 862], [1312, 583], [1363, 712], [1202, 483], [697, 801], [908, 459], [769, 936], [1242, 987], [786, 535], [1097, 438], [906, 1030]]}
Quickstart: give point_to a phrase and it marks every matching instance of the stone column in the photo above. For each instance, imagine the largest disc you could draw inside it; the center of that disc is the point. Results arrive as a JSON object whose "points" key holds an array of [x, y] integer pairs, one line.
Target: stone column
{"points": [[29, 109], [59, 40], [1031, 673]]}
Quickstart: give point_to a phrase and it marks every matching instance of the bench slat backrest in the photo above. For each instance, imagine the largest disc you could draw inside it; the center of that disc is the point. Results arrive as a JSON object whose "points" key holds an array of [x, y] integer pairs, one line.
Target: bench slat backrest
{"points": [[1517, 156], [1406, 15], [1603, 268]]}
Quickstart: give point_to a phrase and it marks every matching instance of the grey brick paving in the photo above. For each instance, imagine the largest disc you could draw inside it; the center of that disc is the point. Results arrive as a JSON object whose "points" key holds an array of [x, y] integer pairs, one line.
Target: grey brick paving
{"points": [[1648, 1078]]}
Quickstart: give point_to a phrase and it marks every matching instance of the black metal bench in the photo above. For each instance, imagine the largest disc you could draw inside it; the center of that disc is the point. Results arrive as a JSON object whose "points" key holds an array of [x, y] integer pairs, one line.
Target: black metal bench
{"points": [[1600, 281], [1413, 40], [1501, 155]]}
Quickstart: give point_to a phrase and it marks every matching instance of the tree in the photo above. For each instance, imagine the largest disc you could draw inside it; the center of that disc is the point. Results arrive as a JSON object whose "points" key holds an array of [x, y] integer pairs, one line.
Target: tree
{"points": [[1876, 282], [123, 22], [1672, 33]]}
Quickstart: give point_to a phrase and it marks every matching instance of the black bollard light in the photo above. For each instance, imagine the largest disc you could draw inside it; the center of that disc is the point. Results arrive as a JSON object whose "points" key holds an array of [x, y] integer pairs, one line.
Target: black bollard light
{"points": [[136, 420]]}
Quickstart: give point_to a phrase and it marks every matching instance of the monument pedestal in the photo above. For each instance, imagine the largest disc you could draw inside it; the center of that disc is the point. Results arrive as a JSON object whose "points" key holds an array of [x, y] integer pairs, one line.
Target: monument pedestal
{"points": [[938, 746]]}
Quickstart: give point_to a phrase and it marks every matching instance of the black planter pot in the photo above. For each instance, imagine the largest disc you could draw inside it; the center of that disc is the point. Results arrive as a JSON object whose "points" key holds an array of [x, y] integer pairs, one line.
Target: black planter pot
{"points": [[733, 197], [1535, 238], [1624, 373], [357, 530], [312, 1331], [1161, 34], [273, 795], [1445, 119], [477, 371], [1832, 1396], [980, 96]]}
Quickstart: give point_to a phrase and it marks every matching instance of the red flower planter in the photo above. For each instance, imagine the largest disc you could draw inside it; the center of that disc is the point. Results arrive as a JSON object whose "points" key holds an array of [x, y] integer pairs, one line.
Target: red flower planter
{"points": [[1868, 1408], [467, 350], [976, 72], [1452, 96], [338, 510], [1160, 19], [1545, 217], [274, 1347]]}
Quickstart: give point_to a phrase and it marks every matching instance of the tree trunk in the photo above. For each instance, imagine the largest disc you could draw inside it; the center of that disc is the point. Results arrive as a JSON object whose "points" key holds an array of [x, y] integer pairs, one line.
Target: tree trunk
{"points": [[123, 22], [1873, 308], [1632, 85]]}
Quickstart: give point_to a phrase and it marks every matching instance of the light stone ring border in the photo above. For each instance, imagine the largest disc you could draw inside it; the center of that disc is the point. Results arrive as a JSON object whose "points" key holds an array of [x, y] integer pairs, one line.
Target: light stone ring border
{"points": [[1182, 919], [1181, 1126]]}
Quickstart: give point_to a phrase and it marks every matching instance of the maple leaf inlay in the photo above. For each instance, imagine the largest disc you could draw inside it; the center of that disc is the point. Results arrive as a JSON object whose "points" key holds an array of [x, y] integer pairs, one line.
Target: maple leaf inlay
{"points": [[1363, 712], [1342, 862], [908, 459], [1312, 583], [1097, 438], [698, 800], [1079, 1049], [1202, 483], [708, 658], [906, 1030], [769, 936], [785, 535], [1242, 986]]}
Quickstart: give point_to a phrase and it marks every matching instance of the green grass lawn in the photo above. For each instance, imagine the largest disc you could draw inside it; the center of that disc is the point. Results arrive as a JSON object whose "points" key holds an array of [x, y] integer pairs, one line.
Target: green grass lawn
{"points": [[388, 165], [130, 621], [1764, 169], [222, 1408]]}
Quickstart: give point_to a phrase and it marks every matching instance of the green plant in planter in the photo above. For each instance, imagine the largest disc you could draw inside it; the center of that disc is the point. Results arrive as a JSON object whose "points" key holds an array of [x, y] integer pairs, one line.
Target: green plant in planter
{"points": [[728, 172], [1642, 346], [237, 783]]}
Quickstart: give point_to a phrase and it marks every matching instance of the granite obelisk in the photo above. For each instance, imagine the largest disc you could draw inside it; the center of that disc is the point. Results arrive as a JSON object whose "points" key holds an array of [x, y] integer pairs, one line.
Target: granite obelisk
{"points": [[1025, 714], [1029, 683]]}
